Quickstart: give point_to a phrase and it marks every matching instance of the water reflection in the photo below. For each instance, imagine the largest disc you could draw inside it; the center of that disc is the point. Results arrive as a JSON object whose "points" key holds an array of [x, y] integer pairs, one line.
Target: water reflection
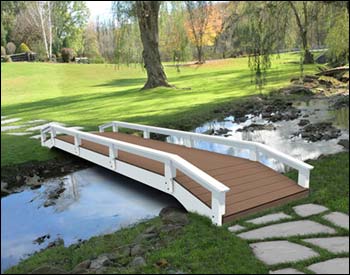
{"points": [[95, 201], [283, 138]]}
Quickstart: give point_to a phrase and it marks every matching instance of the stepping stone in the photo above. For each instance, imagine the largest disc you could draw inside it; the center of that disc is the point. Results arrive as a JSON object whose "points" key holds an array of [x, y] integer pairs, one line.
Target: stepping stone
{"points": [[36, 121], [270, 218], [288, 229], [19, 134], [278, 252], [9, 128], [36, 137], [306, 210], [334, 266], [236, 228], [38, 127], [333, 244], [286, 271], [10, 120], [339, 219]]}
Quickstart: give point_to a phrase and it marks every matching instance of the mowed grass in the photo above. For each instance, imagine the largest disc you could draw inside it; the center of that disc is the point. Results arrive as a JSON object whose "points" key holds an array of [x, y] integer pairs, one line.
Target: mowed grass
{"points": [[89, 95], [206, 249]]}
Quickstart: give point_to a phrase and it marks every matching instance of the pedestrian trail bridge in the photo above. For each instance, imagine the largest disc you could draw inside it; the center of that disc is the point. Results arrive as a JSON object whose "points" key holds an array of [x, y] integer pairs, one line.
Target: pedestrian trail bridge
{"points": [[221, 187]]}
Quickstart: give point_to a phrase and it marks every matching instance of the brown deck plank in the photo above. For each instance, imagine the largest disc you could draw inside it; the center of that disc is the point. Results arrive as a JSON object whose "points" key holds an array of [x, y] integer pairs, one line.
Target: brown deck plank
{"points": [[253, 186]]}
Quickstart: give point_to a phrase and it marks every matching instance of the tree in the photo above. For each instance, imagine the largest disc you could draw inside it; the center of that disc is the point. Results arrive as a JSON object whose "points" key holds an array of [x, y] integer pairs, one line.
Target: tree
{"points": [[10, 48], [264, 33], [303, 12], [198, 13], [173, 42], [338, 39], [147, 14], [90, 42]]}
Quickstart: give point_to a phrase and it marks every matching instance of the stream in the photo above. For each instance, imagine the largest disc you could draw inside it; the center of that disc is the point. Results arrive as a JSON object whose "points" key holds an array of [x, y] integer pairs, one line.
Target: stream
{"points": [[97, 201], [283, 138]]}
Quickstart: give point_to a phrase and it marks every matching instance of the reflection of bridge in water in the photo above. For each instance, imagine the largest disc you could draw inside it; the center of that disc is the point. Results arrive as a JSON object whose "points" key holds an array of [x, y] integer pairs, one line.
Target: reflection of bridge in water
{"points": [[219, 186]]}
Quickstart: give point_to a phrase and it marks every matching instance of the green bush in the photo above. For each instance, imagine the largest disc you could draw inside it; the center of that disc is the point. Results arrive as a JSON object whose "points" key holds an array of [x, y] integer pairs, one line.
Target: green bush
{"points": [[23, 48], [3, 51], [10, 48], [67, 54], [96, 60]]}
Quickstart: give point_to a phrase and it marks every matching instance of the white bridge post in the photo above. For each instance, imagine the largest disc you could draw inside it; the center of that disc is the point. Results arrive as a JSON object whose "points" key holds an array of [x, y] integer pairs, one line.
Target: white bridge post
{"points": [[169, 174], [304, 178], [113, 154], [217, 207], [77, 143]]}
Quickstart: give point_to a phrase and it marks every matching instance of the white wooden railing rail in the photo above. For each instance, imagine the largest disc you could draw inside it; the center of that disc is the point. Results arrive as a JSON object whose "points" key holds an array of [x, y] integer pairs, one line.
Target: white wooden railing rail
{"points": [[171, 163], [255, 149]]}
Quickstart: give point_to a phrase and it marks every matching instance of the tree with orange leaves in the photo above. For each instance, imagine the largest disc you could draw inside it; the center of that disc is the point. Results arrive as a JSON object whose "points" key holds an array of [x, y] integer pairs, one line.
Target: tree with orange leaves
{"points": [[203, 25]]}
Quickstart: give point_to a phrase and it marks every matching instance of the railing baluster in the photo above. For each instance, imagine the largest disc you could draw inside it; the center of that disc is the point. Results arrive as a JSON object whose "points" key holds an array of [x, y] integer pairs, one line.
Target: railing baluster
{"points": [[146, 134], [113, 154], [77, 143], [169, 174]]}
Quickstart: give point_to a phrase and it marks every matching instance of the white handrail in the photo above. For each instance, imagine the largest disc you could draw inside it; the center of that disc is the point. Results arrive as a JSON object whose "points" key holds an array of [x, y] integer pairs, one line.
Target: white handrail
{"points": [[254, 148], [181, 164]]}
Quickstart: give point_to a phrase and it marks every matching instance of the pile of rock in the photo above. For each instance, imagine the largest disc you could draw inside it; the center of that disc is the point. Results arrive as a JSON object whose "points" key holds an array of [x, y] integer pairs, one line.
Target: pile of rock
{"points": [[132, 256], [319, 131]]}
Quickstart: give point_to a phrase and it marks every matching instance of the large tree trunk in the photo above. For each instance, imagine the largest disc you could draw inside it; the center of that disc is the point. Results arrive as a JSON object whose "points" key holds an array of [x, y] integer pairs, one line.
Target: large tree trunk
{"points": [[147, 13], [308, 56]]}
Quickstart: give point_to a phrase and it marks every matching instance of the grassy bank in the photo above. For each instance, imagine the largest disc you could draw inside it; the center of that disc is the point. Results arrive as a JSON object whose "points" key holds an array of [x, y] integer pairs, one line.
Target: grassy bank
{"points": [[202, 247], [89, 95]]}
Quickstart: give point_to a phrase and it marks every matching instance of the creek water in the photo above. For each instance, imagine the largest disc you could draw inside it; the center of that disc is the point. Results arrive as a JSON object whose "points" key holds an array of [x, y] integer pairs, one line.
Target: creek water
{"points": [[95, 201], [283, 138]]}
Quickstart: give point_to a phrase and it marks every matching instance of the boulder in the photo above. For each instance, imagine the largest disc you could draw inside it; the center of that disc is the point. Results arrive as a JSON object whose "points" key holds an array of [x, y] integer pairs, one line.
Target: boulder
{"points": [[171, 215], [100, 261], [303, 122], [138, 262], [344, 143], [81, 267]]}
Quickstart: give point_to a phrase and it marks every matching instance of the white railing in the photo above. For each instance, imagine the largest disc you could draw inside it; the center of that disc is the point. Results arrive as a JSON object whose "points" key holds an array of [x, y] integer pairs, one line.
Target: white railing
{"points": [[171, 163], [255, 148]]}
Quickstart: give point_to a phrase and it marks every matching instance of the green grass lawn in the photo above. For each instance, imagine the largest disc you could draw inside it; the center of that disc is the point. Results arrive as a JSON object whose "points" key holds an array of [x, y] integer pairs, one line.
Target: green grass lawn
{"points": [[89, 95], [206, 249]]}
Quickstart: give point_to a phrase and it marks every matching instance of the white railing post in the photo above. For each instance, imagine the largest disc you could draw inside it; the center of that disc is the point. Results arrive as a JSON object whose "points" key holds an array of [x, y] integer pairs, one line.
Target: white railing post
{"points": [[53, 135], [304, 178], [101, 129], [169, 174], [188, 142], [77, 143], [146, 134], [113, 154], [253, 154], [43, 138], [217, 207], [114, 127]]}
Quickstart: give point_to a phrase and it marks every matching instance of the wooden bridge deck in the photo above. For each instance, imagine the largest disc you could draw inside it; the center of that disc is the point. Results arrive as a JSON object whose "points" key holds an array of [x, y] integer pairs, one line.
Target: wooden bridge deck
{"points": [[253, 186]]}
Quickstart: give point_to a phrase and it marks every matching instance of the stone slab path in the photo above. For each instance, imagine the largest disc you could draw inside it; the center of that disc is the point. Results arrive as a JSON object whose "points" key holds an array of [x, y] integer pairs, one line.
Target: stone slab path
{"points": [[278, 252], [288, 229], [333, 244], [334, 266], [273, 252], [270, 218], [10, 120], [306, 210], [339, 219], [29, 128]]}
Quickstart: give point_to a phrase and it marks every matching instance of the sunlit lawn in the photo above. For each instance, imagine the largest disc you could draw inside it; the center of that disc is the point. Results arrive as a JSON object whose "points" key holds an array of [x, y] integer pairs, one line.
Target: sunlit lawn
{"points": [[89, 95]]}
